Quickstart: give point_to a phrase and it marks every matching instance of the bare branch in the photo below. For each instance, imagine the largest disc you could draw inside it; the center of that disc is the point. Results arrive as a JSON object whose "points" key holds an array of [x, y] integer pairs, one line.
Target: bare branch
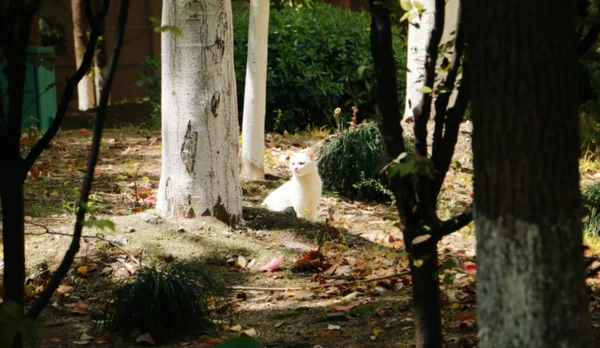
{"points": [[440, 153], [588, 40], [67, 261], [449, 226], [422, 112], [69, 88]]}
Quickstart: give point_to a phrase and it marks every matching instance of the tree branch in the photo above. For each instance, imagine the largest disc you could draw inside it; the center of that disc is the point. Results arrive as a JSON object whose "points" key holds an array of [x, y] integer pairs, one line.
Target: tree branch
{"points": [[455, 116], [67, 261], [422, 112], [588, 40], [388, 108], [441, 154], [449, 226], [72, 82]]}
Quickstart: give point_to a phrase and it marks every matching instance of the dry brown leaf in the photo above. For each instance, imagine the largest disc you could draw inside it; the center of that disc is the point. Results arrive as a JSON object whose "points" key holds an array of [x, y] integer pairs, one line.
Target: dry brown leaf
{"points": [[331, 327], [81, 308], [145, 337], [63, 289], [250, 333]]}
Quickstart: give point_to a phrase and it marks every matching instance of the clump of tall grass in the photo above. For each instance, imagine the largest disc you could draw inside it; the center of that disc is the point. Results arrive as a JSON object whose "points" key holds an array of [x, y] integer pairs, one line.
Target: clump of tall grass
{"points": [[166, 302]]}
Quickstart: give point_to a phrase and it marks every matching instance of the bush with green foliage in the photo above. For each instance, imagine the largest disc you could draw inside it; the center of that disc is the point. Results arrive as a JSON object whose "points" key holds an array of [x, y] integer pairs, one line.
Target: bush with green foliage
{"points": [[319, 58], [150, 76], [591, 202], [166, 302], [351, 160]]}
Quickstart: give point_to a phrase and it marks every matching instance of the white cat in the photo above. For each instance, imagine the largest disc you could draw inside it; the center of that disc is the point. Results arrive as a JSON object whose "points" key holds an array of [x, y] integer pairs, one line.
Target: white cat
{"points": [[302, 191]]}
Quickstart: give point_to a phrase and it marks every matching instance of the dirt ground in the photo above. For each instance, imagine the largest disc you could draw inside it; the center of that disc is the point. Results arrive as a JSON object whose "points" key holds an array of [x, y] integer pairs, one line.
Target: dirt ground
{"points": [[299, 309]]}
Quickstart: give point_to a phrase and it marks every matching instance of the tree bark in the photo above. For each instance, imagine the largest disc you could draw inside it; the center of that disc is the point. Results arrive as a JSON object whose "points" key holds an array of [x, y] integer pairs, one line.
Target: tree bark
{"points": [[419, 32], [200, 163], [100, 61], [85, 88], [530, 279], [425, 290], [253, 123]]}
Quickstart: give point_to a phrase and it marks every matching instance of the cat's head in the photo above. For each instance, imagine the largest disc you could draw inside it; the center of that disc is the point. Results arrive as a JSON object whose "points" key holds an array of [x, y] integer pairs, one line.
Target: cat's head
{"points": [[303, 163]]}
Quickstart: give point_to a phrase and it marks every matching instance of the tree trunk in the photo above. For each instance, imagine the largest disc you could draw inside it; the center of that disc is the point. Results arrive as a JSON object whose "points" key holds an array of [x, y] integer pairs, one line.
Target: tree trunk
{"points": [[419, 31], [531, 290], [253, 124], [13, 231], [100, 62], [200, 131], [425, 290], [85, 88]]}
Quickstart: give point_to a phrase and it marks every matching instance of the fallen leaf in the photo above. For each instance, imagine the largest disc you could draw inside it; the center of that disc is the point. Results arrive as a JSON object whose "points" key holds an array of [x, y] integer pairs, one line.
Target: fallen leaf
{"points": [[350, 297], [333, 327], [151, 200], [278, 324], [82, 270], [343, 308], [84, 339], [250, 333], [81, 308], [273, 264], [145, 337], [236, 328], [103, 338], [83, 131], [63, 289], [241, 262], [313, 261], [421, 239], [470, 268]]}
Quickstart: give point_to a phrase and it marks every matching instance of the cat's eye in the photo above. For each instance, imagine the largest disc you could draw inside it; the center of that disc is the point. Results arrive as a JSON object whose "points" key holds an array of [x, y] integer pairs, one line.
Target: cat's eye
{"points": [[301, 163]]}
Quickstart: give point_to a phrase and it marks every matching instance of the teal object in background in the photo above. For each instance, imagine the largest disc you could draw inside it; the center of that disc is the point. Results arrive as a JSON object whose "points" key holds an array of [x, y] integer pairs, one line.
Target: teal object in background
{"points": [[39, 95]]}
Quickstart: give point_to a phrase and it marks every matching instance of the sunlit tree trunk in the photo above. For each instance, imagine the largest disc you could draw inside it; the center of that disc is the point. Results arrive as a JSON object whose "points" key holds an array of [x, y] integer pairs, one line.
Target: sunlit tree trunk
{"points": [[530, 277], [85, 88], [253, 124], [200, 163]]}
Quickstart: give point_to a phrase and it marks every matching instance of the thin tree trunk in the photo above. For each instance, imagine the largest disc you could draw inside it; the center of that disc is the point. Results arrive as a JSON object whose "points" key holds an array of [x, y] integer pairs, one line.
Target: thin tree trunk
{"points": [[85, 88], [419, 32], [253, 123], [425, 289], [100, 61], [200, 163], [530, 277]]}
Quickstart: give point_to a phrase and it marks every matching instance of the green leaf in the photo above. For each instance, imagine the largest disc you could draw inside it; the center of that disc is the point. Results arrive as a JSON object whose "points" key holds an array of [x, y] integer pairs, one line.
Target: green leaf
{"points": [[404, 16], [449, 264], [425, 89], [406, 5], [100, 223]]}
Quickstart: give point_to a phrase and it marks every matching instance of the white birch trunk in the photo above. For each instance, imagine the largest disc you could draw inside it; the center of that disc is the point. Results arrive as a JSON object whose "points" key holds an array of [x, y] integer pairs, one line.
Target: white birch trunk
{"points": [[200, 163], [419, 31], [253, 124], [418, 38], [85, 87]]}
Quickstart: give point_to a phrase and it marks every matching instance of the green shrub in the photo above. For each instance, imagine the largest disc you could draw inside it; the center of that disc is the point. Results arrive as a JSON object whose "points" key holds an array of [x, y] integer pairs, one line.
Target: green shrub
{"points": [[591, 196], [150, 76], [165, 302], [350, 162], [319, 58]]}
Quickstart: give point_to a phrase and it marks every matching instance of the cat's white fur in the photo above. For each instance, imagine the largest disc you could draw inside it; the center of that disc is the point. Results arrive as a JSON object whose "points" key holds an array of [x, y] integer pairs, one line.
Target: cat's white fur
{"points": [[302, 191]]}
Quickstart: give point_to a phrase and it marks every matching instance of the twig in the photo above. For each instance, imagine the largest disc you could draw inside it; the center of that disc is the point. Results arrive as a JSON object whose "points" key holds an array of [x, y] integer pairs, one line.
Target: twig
{"points": [[321, 285], [82, 236], [67, 261]]}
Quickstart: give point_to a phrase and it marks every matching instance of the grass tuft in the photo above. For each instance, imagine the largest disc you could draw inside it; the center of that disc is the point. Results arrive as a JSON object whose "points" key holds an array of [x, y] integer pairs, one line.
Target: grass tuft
{"points": [[166, 302]]}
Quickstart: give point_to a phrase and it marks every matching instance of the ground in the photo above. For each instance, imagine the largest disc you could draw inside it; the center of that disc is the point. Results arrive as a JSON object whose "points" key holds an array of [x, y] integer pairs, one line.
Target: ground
{"points": [[361, 299]]}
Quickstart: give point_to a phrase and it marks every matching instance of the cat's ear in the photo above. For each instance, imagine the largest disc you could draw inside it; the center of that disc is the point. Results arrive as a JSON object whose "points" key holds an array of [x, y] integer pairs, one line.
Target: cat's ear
{"points": [[310, 154], [284, 158]]}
